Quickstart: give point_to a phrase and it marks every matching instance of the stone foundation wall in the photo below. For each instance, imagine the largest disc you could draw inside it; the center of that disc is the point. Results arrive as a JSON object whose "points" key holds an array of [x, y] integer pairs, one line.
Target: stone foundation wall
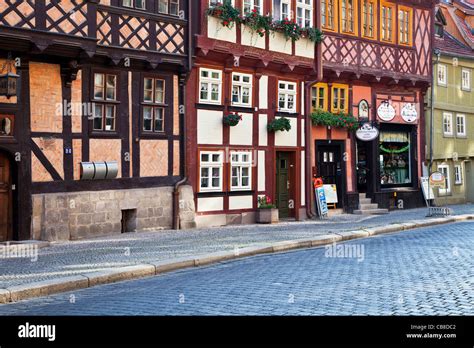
{"points": [[78, 215]]}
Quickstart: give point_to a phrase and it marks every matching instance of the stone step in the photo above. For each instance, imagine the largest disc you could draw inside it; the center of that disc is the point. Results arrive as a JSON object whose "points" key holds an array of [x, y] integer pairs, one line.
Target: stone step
{"points": [[365, 201], [368, 206], [362, 195], [371, 212]]}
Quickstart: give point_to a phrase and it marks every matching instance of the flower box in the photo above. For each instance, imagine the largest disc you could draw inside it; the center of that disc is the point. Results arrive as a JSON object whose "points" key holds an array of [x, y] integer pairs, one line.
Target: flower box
{"points": [[267, 216]]}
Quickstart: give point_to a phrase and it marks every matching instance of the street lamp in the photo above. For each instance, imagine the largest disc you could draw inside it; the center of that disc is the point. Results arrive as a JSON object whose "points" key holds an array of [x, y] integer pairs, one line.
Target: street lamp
{"points": [[8, 80]]}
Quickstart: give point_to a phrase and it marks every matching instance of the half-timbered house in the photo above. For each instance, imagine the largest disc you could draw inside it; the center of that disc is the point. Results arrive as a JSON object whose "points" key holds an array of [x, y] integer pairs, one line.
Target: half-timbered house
{"points": [[91, 143], [377, 68], [246, 107]]}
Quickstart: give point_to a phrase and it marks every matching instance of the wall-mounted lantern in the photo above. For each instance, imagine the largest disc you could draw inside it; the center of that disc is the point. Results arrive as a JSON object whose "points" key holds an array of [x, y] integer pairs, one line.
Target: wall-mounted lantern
{"points": [[8, 80]]}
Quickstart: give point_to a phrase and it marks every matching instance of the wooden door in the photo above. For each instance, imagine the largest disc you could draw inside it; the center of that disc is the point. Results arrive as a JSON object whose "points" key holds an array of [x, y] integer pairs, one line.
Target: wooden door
{"points": [[283, 184], [329, 164], [5, 199]]}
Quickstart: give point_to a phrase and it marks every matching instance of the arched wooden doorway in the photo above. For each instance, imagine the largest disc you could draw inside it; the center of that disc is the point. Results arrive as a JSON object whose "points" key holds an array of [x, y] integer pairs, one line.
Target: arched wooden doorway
{"points": [[5, 198]]}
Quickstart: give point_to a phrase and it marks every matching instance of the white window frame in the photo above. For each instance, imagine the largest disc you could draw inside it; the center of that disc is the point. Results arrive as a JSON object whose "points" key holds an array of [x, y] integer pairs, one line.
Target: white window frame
{"points": [[210, 81], [466, 79], [301, 20], [442, 81], [280, 4], [241, 85], [237, 161], [252, 5], [211, 165], [215, 2], [463, 118], [458, 174], [287, 92], [447, 178], [448, 116]]}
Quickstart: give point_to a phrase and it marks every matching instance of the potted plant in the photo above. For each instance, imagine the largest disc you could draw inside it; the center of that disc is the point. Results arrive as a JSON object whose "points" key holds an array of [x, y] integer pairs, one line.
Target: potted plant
{"points": [[228, 14], [341, 120], [267, 212], [279, 124], [232, 120]]}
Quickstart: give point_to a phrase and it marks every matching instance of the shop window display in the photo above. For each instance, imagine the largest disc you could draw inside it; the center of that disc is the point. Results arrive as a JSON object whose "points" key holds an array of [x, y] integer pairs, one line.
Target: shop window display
{"points": [[395, 159]]}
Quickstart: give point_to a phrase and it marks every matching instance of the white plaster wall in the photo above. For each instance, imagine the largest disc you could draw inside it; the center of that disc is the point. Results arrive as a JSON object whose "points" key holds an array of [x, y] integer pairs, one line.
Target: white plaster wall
{"points": [[262, 130], [284, 138], [242, 134], [279, 43], [209, 127], [305, 48], [263, 92], [261, 171], [215, 30], [240, 202], [210, 204], [303, 133], [303, 179], [251, 38]]}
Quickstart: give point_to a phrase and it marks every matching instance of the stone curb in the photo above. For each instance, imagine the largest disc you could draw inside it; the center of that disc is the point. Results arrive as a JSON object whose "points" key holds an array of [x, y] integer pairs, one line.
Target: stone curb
{"points": [[48, 287]]}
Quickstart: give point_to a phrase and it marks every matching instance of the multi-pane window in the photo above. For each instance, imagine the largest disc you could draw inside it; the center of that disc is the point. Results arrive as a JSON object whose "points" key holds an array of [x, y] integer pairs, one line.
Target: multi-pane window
{"points": [[387, 22], [461, 125], [466, 79], [404, 25], [211, 164], [458, 174], [319, 95], [442, 75], [139, 4], [348, 16], [153, 100], [328, 14], [241, 89], [210, 86], [286, 96], [281, 9], [169, 7], [340, 95], [304, 13], [251, 5], [369, 9], [241, 171], [105, 93], [445, 170], [447, 124]]}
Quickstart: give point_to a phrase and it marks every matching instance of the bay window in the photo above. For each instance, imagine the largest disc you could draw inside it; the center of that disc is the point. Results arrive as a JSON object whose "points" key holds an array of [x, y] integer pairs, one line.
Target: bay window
{"points": [[211, 165], [286, 96]]}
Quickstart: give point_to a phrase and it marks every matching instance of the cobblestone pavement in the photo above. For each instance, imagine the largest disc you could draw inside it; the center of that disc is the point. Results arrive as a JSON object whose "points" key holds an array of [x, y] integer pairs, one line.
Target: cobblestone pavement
{"points": [[427, 271], [72, 258]]}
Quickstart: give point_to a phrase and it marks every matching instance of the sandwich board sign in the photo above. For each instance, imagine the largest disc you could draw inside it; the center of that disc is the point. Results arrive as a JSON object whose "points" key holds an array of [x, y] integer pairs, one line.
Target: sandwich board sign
{"points": [[321, 202]]}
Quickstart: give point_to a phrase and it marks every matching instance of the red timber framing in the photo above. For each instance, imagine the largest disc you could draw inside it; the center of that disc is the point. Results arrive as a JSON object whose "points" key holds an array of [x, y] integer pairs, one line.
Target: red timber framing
{"points": [[59, 46], [267, 61], [372, 67]]}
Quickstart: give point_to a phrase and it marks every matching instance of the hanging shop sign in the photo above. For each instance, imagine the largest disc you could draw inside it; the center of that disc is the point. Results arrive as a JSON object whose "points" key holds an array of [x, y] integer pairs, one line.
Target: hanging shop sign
{"points": [[409, 113], [367, 132], [437, 179], [386, 112], [363, 109]]}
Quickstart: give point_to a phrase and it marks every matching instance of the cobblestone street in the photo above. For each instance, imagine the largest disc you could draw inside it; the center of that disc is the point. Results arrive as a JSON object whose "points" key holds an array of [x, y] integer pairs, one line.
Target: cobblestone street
{"points": [[427, 271]]}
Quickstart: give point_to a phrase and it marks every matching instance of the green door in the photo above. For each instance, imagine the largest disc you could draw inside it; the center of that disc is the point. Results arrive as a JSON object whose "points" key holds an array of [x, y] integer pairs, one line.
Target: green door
{"points": [[283, 184]]}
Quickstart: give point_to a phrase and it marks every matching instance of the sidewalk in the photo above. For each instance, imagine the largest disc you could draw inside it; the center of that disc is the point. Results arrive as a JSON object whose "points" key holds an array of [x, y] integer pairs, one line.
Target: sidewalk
{"points": [[97, 256]]}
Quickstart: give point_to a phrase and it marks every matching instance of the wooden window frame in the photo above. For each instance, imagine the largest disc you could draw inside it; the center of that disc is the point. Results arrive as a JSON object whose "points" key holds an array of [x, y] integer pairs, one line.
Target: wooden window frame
{"points": [[355, 18], [209, 82], [242, 85], [153, 105], [11, 118], [346, 98], [335, 21], [105, 103], [168, 5], [318, 87], [409, 10], [211, 165], [374, 18], [393, 21], [240, 164], [133, 5]]}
